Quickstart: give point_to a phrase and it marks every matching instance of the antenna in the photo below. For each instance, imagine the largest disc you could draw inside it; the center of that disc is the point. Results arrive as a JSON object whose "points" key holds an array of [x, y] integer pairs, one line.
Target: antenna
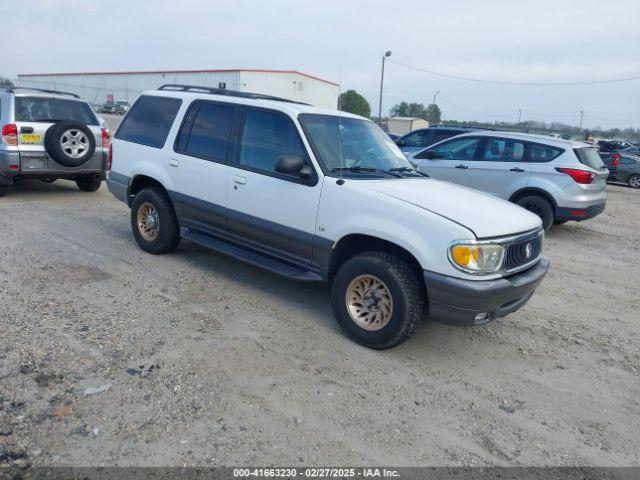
{"points": [[342, 163]]}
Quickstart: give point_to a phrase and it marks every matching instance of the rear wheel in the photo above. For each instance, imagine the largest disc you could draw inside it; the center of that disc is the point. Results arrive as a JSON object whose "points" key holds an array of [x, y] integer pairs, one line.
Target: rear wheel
{"points": [[154, 222], [88, 184], [3, 190], [559, 222], [634, 181], [540, 207], [378, 299]]}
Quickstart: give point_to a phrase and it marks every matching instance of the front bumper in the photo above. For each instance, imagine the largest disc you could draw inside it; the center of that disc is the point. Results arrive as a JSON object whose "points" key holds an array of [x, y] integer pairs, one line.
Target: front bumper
{"points": [[579, 214], [456, 301]]}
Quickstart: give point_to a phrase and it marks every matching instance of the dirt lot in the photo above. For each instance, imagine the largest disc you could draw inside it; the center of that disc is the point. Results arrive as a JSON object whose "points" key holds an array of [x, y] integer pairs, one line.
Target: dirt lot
{"points": [[110, 356]]}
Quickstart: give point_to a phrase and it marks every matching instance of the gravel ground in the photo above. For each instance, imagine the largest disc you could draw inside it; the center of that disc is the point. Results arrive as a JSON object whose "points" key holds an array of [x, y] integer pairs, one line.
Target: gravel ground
{"points": [[110, 356]]}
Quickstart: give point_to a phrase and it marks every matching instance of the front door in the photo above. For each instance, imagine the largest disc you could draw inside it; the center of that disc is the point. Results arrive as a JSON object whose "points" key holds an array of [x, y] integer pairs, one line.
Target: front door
{"points": [[450, 160], [269, 211]]}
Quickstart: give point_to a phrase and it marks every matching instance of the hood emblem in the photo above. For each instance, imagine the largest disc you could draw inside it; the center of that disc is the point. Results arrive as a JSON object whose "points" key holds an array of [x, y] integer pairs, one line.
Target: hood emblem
{"points": [[528, 250]]}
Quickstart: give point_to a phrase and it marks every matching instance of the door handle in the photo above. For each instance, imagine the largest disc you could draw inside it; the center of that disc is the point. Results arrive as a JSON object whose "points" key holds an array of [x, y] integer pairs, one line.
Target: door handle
{"points": [[173, 162], [239, 180], [464, 167], [517, 169]]}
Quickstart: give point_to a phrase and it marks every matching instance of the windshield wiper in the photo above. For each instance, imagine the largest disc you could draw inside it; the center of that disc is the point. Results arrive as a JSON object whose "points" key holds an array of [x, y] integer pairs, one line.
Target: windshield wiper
{"points": [[408, 170], [357, 168]]}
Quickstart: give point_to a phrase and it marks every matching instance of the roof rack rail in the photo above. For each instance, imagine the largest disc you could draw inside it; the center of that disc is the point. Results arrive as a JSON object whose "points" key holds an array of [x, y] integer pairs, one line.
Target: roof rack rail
{"points": [[454, 125], [13, 89], [175, 87]]}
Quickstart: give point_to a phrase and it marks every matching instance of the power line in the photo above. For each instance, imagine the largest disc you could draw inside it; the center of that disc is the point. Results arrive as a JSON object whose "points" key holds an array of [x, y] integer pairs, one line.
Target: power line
{"points": [[501, 82]]}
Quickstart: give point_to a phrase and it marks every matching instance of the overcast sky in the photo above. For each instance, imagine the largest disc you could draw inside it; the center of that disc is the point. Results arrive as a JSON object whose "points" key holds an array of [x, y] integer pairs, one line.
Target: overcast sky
{"points": [[537, 41]]}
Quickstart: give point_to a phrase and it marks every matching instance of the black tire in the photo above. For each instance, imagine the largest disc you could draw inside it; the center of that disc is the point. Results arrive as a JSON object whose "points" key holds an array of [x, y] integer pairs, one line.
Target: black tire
{"points": [[88, 184], [83, 139], [634, 181], [406, 291], [167, 237], [559, 222], [3, 190], [539, 206]]}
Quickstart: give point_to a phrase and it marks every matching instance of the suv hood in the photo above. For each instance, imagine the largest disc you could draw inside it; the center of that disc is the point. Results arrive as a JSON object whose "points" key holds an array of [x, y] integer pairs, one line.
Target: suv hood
{"points": [[486, 216]]}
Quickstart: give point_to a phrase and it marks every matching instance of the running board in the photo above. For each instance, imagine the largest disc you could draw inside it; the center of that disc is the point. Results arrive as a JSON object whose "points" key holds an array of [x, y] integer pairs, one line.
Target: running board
{"points": [[254, 258]]}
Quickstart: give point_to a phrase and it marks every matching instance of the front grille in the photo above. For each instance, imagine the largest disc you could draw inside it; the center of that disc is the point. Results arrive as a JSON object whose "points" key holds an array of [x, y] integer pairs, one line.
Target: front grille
{"points": [[522, 251]]}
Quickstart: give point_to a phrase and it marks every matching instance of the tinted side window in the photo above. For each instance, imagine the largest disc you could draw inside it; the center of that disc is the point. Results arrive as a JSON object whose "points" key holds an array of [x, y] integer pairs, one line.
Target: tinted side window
{"points": [[458, 149], [543, 153], [149, 121], [439, 135], [209, 133], [265, 137], [503, 150], [418, 139]]}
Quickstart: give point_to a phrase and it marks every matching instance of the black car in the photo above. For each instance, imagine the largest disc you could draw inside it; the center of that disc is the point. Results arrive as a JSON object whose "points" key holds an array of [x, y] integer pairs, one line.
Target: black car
{"points": [[425, 137]]}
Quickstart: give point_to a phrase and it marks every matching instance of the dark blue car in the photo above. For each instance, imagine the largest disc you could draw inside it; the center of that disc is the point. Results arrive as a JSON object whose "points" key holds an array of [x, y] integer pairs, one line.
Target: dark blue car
{"points": [[425, 137]]}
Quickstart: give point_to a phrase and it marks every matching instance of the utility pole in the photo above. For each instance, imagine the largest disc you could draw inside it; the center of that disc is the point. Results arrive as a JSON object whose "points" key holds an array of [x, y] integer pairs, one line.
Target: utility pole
{"points": [[384, 57], [581, 118], [519, 116], [435, 96]]}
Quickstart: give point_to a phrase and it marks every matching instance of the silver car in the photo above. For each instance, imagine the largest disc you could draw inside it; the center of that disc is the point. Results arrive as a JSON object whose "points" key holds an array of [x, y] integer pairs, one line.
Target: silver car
{"points": [[48, 135], [559, 180]]}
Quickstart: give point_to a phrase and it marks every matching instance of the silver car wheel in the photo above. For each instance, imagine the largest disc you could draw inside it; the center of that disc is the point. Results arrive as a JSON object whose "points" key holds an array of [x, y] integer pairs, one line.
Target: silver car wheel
{"points": [[74, 143]]}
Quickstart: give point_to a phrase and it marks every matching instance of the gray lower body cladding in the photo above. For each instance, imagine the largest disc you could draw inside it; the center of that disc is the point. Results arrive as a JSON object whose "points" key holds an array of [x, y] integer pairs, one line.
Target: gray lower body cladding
{"points": [[456, 301], [40, 165]]}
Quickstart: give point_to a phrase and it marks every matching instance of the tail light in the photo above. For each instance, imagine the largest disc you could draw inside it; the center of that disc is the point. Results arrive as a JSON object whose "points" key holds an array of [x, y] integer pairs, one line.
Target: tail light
{"points": [[106, 140], [110, 157], [616, 159], [579, 176], [10, 134]]}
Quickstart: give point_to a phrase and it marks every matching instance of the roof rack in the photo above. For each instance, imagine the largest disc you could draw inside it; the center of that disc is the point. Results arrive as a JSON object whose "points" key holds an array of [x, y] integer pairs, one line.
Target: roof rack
{"points": [[223, 91], [13, 89]]}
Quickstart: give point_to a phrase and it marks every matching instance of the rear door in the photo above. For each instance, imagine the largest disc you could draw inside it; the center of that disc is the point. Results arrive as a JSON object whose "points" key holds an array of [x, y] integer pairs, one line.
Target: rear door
{"points": [[501, 168], [34, 115], [199, 165], [453, 158]]}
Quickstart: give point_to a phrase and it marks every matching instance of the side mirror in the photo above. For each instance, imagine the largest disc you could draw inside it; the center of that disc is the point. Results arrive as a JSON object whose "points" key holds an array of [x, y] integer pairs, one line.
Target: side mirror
{"points": [[431, 155], [401, 143], [289, 165]]}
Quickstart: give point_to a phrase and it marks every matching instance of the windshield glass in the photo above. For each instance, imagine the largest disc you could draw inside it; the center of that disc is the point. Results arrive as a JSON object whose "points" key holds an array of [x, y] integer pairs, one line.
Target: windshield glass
{"points": [[41, 109], [351, 143]]}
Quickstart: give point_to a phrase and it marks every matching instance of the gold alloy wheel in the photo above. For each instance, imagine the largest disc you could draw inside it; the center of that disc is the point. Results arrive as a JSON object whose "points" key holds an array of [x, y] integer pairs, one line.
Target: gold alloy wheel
{"points": [[148, 222], [369, 302]]}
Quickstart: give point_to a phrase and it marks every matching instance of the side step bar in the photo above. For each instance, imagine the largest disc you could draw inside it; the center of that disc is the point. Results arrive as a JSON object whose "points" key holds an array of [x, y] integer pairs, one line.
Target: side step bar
{"points": [[249, 256]]}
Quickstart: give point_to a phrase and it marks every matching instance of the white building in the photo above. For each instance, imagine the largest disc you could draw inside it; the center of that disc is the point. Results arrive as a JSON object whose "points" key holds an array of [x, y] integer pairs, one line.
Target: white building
{"points": [[100, 87], [404, 125]]}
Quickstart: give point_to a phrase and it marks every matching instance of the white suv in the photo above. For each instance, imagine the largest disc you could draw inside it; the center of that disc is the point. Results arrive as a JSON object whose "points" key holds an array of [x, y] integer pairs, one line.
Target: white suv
{"points": [[316, 195]]}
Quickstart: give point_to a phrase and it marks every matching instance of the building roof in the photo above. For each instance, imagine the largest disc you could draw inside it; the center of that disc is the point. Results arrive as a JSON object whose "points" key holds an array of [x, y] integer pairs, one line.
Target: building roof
{"points": [[147, 72], [405, 119]]}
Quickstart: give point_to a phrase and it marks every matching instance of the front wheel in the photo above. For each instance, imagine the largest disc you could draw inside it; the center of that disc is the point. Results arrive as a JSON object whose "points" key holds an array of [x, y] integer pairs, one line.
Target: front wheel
{"points": [[88, 184], [634, 181], [540, 207], [153, 221], [378, 299]]}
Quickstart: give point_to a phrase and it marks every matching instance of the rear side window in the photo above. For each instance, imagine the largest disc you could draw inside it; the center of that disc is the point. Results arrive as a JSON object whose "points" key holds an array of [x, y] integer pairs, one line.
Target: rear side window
{"points": [[589, 156], [543, 153], [265, 137], [149, 121], [206, 131], [42, 109], [503, 150]]}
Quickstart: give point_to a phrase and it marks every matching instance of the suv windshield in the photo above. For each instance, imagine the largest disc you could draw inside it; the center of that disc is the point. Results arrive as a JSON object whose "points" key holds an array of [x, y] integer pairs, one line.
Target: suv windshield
{"points": [[589, 156], [352, 143], [42, 109]]}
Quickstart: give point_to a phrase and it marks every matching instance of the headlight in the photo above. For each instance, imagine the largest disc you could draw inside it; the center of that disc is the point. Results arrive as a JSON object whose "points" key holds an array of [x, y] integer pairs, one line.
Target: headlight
{"points": [[476, 258]]}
